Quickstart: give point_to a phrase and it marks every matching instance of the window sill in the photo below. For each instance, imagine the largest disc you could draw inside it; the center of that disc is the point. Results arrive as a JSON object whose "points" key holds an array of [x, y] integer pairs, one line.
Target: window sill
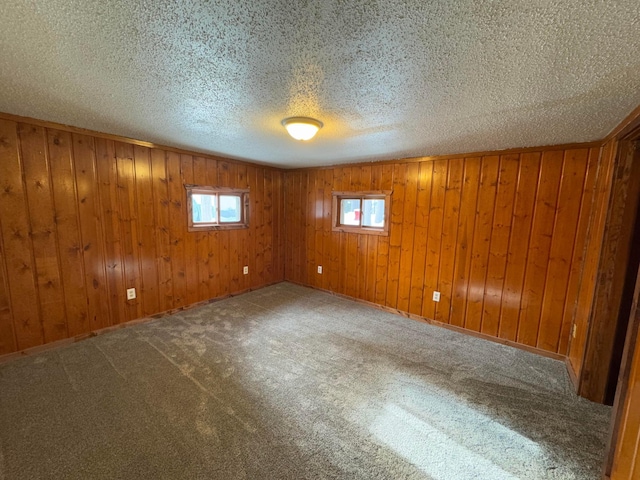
{"points": [[361, 230], [209, 228]]}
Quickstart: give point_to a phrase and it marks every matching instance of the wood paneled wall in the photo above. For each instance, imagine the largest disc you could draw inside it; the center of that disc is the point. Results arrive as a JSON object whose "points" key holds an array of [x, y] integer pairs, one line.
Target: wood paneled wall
{"points": [[501, 236], [596, 231], [608, 250], [83, 218], [626, 458]]}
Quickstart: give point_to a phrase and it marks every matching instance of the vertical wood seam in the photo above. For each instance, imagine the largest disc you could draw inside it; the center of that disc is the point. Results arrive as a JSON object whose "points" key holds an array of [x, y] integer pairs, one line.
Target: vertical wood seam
{"points": [[47, 159], [76, 207], [493, 217], [6, 283], [34, 275], [471, 247], [526, 263], [511, 227], [97, 209]]}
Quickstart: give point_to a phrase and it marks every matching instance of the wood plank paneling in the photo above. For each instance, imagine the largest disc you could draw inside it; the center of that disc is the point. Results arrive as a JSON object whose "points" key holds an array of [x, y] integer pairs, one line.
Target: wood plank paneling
{"points": [[7, 335], [43, 231], [408, 232], [485, 208], [499, 244], [70, 242], [114, 260], [539, 247], [557, 281], [497, 235], [83, 218], [147, 225], [395, 233], [162, 228], [520, 239], [434, 242], [91, 229], [449, 245], [18, 248], [466, 227], [421, 237], [626, 456], [620, 202]]}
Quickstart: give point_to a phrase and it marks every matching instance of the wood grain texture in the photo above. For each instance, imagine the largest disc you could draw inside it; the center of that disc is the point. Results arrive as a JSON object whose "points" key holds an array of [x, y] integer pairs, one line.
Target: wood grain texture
{"points": [[83, 218], [626, 456], [615, 228], [497, 235]]}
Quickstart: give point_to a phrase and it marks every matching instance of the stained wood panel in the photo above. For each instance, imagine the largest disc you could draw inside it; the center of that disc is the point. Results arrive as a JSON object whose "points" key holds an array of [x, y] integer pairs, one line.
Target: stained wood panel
{"points": [[519, 242], [43, 230], [499, 244], [83, 218], [16, 241], [70, 243], [484, 210], [466, 227], [626, 459], [114, 261], [557, 281], [613, 263], [498, 235], [162, 228], [395, 233]]}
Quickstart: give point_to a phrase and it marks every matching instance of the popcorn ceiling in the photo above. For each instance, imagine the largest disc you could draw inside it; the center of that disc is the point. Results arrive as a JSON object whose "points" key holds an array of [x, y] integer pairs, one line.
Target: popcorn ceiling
{"points": [[389, 79]]}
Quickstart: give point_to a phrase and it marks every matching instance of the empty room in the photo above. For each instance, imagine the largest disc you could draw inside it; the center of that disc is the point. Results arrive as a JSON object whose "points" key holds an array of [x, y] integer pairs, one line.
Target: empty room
{"points": [[342, 239]]}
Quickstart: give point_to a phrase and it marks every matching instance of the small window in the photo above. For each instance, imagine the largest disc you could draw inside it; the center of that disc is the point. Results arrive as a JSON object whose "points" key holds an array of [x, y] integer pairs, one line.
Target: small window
{"points": [[361, 212], [215, 208]]}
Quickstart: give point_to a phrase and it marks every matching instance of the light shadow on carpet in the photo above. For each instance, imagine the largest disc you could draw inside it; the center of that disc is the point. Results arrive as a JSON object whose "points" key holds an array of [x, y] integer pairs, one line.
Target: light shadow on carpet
{"points": [[288, 382]]}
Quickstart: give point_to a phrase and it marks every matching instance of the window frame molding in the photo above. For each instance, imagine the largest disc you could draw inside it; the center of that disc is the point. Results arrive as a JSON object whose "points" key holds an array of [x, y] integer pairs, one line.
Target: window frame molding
{"points": [[336, 226], [243, 193]]}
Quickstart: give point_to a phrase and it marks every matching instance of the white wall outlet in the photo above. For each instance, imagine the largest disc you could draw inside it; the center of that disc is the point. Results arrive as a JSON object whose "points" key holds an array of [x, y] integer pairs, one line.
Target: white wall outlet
{"points": [[436, 296], [320, 269], [131, 293], [245, 270], [573, 331]]}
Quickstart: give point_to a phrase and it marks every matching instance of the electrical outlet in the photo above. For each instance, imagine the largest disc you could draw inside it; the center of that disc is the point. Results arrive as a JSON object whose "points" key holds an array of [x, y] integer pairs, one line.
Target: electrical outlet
{"points": [[320, 269], [436, 296], [131, 293], [245, 270], [573, 331]]}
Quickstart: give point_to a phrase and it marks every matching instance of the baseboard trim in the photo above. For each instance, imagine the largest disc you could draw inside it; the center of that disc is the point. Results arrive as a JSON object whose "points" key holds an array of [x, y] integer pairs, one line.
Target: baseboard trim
{"points": [[502, 341], [78, 338], [572, 374]]}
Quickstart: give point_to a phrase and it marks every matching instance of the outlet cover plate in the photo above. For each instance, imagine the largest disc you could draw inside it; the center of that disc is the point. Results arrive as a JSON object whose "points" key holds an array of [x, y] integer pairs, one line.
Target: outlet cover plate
{"points": [[245, 270], [320, 269], [436, 296], [131, 293]]}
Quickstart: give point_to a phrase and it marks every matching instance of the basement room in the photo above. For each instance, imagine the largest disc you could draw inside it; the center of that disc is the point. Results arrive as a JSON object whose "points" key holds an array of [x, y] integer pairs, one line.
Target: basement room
{"points": [[344, 239]]}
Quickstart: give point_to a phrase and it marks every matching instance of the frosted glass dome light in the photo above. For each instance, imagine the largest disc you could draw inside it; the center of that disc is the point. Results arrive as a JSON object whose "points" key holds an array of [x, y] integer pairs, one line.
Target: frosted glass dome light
{"points": [[302, 128]]}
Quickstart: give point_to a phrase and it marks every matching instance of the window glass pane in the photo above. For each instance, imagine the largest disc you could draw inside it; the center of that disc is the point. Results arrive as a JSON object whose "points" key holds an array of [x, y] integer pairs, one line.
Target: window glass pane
{"points": [[230, 211], [203, 208], [350, 211], [373, 212]]}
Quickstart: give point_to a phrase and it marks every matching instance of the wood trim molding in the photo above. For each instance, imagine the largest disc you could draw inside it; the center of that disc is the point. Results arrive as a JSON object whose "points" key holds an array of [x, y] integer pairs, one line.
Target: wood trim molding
{"points": [[433, 158], [572, 375], [362, 230], [625, 127], [132, 141]]}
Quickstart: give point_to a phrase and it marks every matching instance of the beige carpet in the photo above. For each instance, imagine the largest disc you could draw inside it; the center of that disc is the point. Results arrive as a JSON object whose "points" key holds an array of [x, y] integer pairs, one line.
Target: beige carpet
{"points": [[291, 383]]}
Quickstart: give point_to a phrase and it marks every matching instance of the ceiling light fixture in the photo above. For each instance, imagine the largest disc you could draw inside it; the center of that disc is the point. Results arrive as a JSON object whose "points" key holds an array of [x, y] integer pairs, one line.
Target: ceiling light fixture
{"points": [[302, 128]]}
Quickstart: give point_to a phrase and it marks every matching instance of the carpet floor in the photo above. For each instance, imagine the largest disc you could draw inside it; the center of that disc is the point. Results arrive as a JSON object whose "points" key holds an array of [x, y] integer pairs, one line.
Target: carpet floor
{"points": [[292, 383]]}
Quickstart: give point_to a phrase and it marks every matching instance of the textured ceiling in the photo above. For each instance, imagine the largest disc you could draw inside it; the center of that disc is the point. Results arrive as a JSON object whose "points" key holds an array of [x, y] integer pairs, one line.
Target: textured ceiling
{"points": [[389, 79]]}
